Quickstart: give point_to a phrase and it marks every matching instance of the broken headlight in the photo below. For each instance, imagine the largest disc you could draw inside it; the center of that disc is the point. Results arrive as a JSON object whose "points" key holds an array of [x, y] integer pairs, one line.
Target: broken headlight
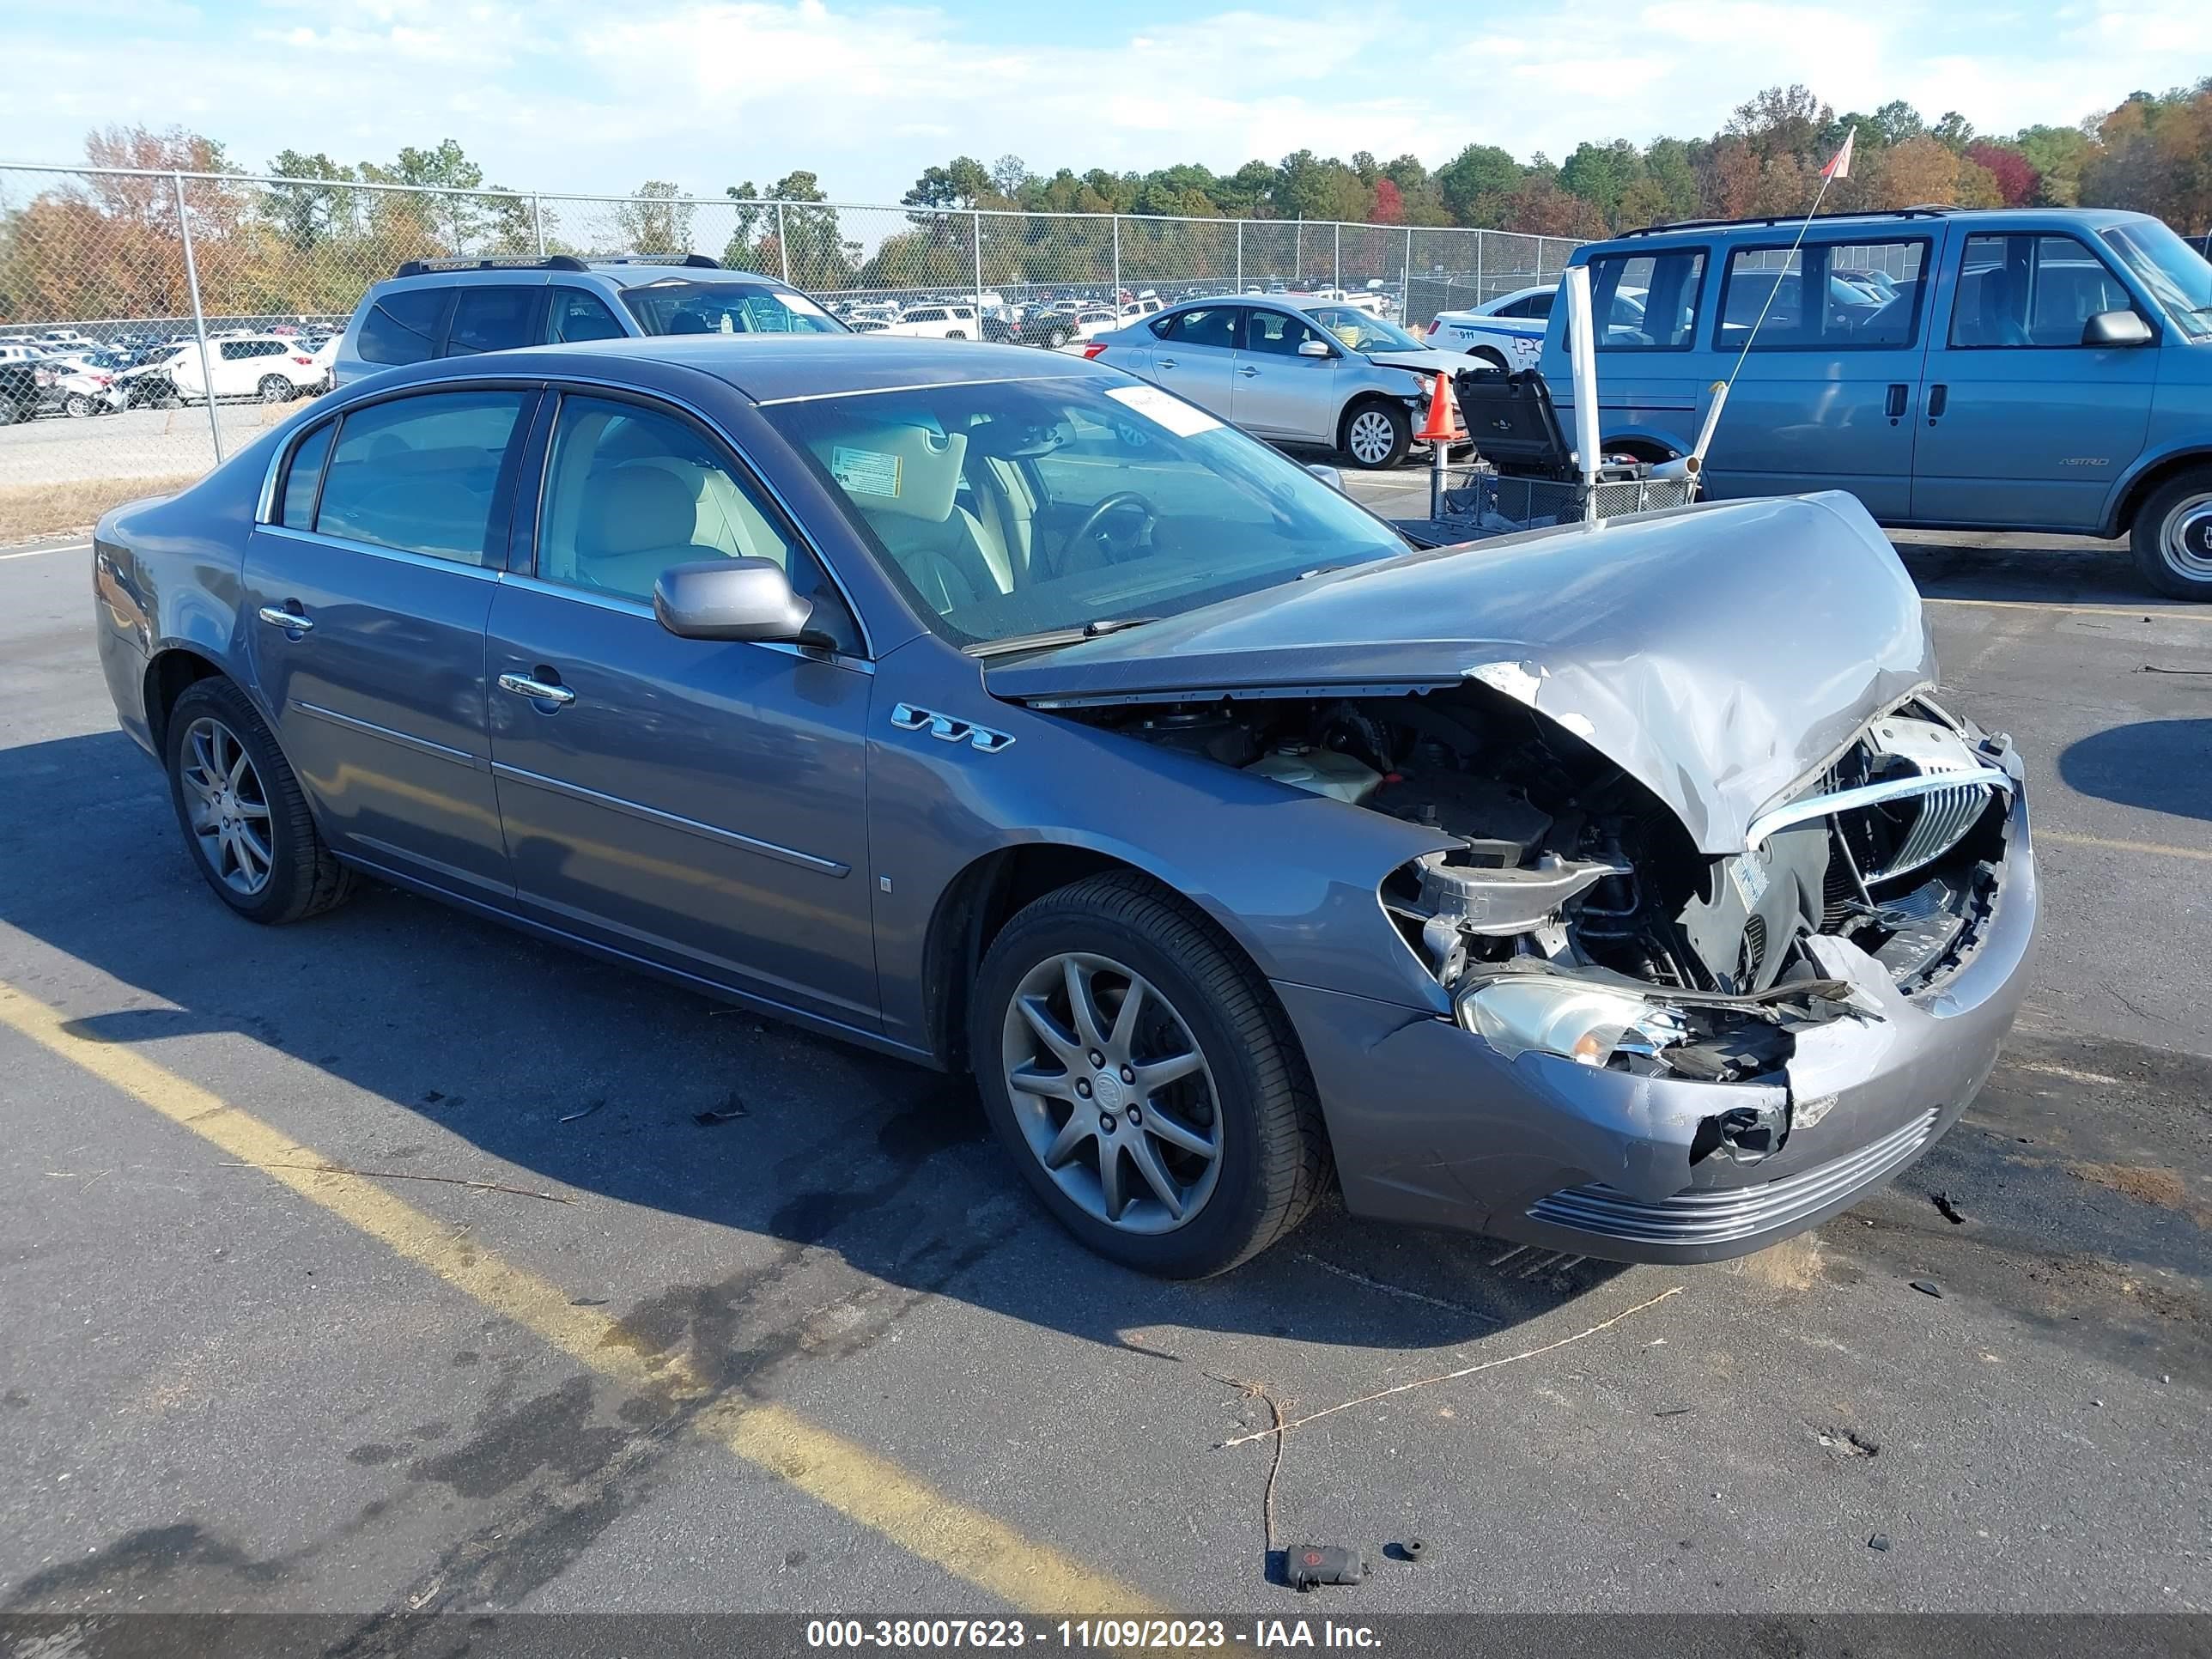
{"points": [[1555, 1015]]}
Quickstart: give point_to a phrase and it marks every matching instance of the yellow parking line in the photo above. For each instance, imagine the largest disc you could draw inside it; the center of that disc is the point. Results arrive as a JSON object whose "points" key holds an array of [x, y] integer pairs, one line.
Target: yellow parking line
{"points": [[2156, 848], [849, 1479], [2079, 610]]}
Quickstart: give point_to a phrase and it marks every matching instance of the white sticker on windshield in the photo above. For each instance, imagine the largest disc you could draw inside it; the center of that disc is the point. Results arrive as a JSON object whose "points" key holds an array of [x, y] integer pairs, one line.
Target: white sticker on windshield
{"points": [[1184, 420], [865, 472], [799, 303]]}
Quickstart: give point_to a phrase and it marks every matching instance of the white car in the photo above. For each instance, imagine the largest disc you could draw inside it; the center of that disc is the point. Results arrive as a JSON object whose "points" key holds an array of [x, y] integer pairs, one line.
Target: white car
{"points": [[269, 367], [1507, 332], [938, 322]]}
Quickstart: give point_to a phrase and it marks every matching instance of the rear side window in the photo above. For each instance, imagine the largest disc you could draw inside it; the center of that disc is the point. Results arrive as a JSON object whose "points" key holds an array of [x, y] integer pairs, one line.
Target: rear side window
{"points": [[1647, 301], [1536, 305], [1860, 296], [2031, 291], [302, 477], [492, 319], [405, 327], [1207, 325], [422, 474], [576, 315]]}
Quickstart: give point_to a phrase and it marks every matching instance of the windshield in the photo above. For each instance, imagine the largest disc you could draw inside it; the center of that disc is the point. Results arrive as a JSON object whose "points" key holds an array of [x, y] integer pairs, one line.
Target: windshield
{"points": [[1024, 507], [680, 306], [2175, 273], [1362, 330]]}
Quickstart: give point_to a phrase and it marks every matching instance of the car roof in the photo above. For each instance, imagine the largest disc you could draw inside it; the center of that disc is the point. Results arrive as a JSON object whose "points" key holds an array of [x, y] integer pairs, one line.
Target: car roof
{"points": [[779, 368], [1899, 222], [613, 275]]}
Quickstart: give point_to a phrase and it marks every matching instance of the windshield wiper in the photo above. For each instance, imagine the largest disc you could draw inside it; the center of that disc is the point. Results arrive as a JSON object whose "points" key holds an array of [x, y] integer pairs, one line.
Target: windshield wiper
{"points": [[1054, 636]]}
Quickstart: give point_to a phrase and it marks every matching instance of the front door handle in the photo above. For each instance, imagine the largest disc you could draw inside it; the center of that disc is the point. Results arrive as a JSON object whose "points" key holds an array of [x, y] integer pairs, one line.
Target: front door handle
{"points": [[539, 691], [1893, 406], [288, 617], [1938, 398], [1163, 363], [1248, 371]]}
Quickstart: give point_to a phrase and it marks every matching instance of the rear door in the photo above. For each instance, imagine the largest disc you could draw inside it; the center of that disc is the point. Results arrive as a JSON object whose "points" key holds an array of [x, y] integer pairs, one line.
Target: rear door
{"points": [[1196, 356], [2020, 423], [700, 804], [365, 604], [1826, 396], [1276, 392]]}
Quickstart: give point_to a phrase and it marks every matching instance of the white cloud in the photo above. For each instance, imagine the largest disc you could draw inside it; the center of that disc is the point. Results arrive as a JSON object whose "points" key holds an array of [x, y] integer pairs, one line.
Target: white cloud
{"points": [[589, 96]]}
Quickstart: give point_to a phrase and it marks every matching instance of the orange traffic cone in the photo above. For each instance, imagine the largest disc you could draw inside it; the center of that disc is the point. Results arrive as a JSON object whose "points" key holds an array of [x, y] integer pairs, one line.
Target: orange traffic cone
{"points": [[1442, 424]]}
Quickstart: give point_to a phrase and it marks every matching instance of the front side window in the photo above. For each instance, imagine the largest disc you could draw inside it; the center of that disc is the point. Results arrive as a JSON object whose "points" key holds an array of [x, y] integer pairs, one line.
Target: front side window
{"points": [[422, 474], [487, 318], [630, 491], [1277, 333], [576, 315], [1647, 301], [2177, 275], [1363, 331], [1538, 306], [680, 306], [303, 475], [1009, 508], [2034, 291], [1823, 297], [405, 327]]}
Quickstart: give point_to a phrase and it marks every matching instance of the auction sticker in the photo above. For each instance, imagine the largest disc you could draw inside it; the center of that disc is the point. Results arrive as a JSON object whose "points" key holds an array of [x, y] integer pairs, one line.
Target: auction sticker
{"points": [[865, 472], [1184, 420]]}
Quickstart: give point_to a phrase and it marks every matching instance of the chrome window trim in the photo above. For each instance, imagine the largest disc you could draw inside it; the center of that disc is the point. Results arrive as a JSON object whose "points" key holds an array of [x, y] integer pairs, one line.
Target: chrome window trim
{"points": [[1870, 794], [671, 820], [402, 556], [885, 390]]}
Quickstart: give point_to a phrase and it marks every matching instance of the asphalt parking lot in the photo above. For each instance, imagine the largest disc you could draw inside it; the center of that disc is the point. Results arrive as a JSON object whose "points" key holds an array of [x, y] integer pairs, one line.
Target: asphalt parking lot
{"points": [[641, 1303]]}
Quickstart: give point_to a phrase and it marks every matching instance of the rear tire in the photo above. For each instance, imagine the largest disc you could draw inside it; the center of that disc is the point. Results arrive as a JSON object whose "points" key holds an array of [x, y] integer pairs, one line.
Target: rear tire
{"points": [[1375, 435], [2172, 537], [1490, 359], [77, 406], [1249, 1096], [10, 411], [244, 816], [274, 389], [1055, 338]]}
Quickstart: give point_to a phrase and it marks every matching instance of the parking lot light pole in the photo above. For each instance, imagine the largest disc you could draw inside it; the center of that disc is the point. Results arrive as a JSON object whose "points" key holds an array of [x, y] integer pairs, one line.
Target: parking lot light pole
{"points": [[199, 316]]}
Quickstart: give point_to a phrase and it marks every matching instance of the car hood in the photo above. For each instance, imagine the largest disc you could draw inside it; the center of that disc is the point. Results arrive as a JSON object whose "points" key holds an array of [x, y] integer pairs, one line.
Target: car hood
{"points": [[1426, 361], [1721, 655]]}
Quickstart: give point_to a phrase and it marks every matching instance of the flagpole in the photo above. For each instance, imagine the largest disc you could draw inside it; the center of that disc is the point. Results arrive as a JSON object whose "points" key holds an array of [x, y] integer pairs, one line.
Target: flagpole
{"points": [[1829, 174]]}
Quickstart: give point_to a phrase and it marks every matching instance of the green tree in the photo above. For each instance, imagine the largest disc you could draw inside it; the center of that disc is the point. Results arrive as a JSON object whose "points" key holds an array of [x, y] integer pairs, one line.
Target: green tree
{"points": [[655, 219], [309, 215], [1475, 183]]}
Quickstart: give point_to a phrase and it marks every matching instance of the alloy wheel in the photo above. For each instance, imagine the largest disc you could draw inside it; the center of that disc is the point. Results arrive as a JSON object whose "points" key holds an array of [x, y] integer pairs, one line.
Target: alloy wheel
{"points": [[1112, 1093], [227, 806], [1369, 437]]}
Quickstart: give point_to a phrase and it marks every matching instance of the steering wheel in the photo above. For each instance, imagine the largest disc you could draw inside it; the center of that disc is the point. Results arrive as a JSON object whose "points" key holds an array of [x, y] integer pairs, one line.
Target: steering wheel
{"points": [[1092, 531]]}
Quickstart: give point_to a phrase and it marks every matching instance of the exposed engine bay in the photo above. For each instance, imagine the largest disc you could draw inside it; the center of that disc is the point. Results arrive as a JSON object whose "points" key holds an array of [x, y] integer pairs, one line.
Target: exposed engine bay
{"points": [[1563, 864]]}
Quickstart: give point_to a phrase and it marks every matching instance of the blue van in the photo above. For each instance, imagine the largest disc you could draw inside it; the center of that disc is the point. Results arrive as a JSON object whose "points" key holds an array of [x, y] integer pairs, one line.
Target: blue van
{"points": [[2000, 369]]}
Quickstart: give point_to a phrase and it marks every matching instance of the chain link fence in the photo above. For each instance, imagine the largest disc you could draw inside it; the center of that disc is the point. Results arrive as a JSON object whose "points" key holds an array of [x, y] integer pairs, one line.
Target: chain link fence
{"points": [[151, 323]]}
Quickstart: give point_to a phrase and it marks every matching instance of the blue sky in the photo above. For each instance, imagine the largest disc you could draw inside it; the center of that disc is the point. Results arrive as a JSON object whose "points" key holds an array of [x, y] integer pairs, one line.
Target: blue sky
{"points": [[600, 95]]}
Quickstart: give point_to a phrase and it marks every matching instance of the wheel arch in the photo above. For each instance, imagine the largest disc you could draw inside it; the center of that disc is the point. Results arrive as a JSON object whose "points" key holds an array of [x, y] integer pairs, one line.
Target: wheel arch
{"points": [[979, 902], [168, 674], [2146, 483]]}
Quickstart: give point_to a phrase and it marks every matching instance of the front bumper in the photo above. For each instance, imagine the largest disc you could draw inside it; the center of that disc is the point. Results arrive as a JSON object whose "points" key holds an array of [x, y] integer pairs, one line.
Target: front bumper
{"points": [[1432, 1125]]}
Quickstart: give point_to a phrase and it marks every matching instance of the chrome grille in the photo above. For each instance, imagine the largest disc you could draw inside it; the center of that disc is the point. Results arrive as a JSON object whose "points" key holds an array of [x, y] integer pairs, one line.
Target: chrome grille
{"points": [[1945, 816], [1720, 1215]]}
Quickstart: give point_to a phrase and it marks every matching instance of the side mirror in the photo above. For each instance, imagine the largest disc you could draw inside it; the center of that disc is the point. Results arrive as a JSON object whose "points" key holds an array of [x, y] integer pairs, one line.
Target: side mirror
{"points": [[733, 600], [2116, 328], [1329, 475], [1314, 348]]}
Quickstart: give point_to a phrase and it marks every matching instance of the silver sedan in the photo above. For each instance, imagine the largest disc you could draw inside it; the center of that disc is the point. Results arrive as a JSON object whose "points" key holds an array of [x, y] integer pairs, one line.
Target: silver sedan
{"points": [[1295, 373]]}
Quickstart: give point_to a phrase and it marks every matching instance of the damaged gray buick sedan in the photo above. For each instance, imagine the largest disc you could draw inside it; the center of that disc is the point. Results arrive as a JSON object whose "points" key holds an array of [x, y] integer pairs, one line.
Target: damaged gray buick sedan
{"points": [[1622, 891]]}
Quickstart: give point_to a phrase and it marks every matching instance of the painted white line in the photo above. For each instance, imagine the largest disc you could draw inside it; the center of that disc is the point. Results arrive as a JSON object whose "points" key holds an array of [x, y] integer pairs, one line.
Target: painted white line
{"points": [[2155, 849], [2129, 610], [2068, 1072], [33, 552]]}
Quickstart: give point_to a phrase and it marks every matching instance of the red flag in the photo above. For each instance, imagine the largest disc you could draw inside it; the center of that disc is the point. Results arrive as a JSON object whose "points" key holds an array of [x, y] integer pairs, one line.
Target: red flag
{"points": [[1840, 166]]}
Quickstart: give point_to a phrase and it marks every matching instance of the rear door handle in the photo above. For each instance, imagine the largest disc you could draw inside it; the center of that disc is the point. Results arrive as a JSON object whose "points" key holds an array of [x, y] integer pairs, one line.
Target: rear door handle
{"points": [[1894, 406], [1164, 362], [1938, 398], [539, 691], [1248, 371], [287, 617]]}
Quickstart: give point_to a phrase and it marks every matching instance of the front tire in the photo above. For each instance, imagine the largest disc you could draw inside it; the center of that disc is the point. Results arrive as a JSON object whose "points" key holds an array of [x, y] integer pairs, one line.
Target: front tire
{"points": [[1148, 1087], [2172, 537], [1490, 359], [1376, 435], [244, 816], [1055, 338], [77, 406]]}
